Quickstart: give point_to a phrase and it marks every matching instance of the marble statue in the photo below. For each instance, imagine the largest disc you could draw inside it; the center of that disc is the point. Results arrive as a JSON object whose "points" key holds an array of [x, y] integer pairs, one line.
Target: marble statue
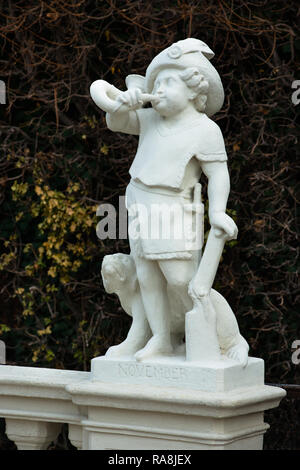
{"points": [[165, 283]]}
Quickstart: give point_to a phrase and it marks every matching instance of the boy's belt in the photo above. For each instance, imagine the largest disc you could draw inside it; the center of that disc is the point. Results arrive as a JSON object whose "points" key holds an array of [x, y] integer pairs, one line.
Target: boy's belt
{"points": [[185, 193]]}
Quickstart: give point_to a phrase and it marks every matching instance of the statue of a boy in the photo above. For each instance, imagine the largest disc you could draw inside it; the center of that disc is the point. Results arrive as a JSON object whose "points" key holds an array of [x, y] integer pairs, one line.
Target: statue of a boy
{"points": [[177, 142]]}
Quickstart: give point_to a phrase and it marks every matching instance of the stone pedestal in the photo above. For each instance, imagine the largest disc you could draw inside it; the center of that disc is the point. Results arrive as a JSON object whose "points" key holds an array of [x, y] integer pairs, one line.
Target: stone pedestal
{"points": [[168, 404], [209, 376]]}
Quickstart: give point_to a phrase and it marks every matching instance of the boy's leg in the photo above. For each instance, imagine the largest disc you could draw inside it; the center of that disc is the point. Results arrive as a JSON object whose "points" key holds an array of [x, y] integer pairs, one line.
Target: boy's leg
{"points": [[178, 273], [154, 295]]}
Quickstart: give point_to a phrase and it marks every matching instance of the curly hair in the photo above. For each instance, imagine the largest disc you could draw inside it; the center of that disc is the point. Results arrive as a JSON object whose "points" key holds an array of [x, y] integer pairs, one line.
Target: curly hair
{"points": [[197, 82]]}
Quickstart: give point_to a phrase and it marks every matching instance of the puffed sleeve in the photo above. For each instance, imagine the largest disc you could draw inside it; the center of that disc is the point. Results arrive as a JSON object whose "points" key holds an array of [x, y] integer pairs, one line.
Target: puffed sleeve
{"points": [[210, 144]]}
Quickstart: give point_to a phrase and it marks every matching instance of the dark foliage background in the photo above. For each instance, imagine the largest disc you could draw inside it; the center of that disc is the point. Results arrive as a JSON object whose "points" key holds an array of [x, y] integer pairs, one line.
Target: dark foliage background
{"points": [[59, 162]]}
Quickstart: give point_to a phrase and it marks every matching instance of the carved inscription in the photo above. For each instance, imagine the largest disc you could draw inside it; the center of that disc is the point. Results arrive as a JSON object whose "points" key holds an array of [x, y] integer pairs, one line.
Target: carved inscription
{"points": [[158, 372]]}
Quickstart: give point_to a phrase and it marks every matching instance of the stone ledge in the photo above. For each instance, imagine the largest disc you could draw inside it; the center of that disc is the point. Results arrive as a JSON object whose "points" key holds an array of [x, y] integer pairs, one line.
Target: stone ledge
{"points": [[179, 435], [38, 382], [172, 400]]}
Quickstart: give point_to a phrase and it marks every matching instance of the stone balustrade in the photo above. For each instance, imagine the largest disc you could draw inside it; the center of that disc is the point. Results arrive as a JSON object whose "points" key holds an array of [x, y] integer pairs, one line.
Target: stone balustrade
{"points": [[35, 402]]}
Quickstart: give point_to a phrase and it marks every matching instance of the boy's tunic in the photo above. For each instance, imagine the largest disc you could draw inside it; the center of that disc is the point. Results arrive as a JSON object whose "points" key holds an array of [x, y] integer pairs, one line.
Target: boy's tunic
{"points": [[164, 172]]}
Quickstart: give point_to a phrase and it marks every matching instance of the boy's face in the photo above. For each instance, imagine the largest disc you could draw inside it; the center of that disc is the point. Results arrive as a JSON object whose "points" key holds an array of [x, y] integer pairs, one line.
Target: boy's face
{"points": [[174, 95]]}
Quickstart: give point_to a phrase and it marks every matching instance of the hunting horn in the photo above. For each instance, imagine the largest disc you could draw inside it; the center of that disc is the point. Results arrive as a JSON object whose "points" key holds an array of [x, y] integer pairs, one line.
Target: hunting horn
{"points": [[104, 94]]}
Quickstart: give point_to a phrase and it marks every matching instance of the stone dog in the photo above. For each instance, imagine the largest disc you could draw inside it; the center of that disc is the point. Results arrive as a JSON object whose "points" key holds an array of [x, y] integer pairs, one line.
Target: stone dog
{"points": [[119, 277]]}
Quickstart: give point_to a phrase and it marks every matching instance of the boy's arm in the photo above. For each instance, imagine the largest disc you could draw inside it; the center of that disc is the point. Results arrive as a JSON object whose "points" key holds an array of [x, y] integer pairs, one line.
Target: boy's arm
{"points": [[123, 121], [223, 228], [218, 191], [120, 106]]}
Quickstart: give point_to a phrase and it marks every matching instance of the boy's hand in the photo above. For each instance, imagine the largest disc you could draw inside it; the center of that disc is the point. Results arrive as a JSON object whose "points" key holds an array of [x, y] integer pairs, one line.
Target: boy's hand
{"points": [[132, 99], [197, 291], [129, 100], [221, 222]]}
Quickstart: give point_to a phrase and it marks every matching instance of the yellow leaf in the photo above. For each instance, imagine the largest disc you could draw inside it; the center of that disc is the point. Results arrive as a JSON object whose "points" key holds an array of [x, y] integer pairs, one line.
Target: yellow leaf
{"points": [[69, 211], [20, 290], [19, 216], [38, 190], [104, 149], [236, 146], [52, 271], [27, 312], [46, 331]]}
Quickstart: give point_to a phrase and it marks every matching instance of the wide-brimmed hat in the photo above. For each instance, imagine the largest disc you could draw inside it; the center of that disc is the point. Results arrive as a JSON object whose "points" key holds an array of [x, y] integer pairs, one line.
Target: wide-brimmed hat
{"points": [[189, 53]]}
